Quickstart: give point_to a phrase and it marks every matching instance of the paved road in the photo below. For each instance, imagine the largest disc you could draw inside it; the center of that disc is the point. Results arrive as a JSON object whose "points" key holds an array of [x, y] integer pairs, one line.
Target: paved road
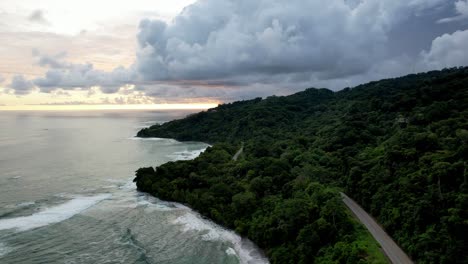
{"points": [[236, 156], [391, 249]]}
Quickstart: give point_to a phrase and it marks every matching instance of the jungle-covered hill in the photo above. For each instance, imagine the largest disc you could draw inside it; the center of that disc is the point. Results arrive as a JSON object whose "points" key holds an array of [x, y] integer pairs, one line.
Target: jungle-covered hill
{"points": [[398, 147]]}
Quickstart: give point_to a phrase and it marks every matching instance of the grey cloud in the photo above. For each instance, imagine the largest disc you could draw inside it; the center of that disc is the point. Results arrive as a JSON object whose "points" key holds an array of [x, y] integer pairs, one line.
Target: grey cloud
{"points": [[37, 16], [20, 85], [69, 76], [227, 38], [461, 7], [54, 61], [1, 79]]}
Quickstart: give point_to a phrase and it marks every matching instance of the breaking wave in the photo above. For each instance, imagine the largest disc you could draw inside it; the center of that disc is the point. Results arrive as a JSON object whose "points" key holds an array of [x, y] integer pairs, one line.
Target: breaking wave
{"points": [[52, 215], [243, 249], [186, 155]]}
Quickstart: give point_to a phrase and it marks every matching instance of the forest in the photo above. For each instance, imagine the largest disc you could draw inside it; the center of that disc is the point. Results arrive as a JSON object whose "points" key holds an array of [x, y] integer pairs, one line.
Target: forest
{"points": [[398, 147]]}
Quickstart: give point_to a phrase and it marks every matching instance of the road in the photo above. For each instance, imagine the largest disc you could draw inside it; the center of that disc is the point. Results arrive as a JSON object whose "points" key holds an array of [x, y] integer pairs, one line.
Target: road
{"points": [[391, 249], [236, 156]]}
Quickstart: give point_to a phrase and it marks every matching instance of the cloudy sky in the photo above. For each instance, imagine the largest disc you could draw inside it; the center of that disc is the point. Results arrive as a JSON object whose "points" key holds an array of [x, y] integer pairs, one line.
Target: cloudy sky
{"points": [[86, 53]]}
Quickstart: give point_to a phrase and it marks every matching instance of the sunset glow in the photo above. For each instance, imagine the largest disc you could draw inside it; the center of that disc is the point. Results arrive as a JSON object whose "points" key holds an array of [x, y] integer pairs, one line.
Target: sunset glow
{"points": [[118, 54], [107, 107]]}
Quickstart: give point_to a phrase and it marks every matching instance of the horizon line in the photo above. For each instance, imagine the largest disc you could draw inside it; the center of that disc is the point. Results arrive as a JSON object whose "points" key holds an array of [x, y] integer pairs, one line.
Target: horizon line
{"points": [[179, 106]]}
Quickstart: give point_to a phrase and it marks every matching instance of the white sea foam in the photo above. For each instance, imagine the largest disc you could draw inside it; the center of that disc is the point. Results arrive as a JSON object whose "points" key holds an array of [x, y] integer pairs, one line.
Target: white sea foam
{"points": [[186, 155], [168, 140], [52, 215], [128, 186], [119, 184], [245, 250], [25, 204], [110, 187], [154, 122], [4, 249], [154, 203], [231, 252], [116, 180]]}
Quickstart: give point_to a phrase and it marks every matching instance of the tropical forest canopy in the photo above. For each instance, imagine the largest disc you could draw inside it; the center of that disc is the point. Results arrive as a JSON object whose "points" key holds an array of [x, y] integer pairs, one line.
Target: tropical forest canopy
{"points": [[398, 147]]}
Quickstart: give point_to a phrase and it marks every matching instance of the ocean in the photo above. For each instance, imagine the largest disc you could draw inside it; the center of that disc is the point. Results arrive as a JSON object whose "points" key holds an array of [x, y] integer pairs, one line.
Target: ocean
{"points": [[67, 196]]}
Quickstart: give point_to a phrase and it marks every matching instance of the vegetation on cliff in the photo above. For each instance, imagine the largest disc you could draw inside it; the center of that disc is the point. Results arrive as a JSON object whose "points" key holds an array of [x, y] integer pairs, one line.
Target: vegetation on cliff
{"points": [[398, 147]]}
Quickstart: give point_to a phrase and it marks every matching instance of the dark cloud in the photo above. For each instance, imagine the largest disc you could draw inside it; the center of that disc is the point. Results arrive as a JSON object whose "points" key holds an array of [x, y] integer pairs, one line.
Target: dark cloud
{"points": [[461, 8], [419, 30], [37, 16], [226, 38], [20, 85]]}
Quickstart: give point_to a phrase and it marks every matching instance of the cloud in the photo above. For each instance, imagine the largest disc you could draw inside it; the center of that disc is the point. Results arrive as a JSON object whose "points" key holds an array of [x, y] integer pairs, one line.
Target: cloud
{"points": [[52, 61], [20, 85], [225, 38], [448, 50], [70, 76], [2, 79], [238, 49], [461, 7], [70, 103], [37, 16]]}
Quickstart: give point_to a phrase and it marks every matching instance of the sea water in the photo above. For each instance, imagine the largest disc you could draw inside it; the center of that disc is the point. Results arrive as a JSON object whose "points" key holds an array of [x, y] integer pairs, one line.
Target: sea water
{"points": [[67, 196]]}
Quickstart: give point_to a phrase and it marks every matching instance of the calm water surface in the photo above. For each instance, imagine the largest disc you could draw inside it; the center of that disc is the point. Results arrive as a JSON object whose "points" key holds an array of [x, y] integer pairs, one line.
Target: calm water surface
{"points": [[66, 194]]}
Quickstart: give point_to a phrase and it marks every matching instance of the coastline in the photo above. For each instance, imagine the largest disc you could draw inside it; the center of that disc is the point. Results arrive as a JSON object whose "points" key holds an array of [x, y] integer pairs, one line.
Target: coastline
{"points": [[246, 250]]}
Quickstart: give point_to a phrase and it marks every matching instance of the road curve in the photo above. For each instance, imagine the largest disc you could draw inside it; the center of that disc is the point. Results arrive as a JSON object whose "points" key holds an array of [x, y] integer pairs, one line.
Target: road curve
{"points": [[238, 153], [391, 249]]}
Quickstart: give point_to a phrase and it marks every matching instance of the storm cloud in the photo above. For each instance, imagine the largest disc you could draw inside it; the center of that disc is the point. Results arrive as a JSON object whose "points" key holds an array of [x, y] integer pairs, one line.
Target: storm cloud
{"points": [[227, 38], [461, 7]]}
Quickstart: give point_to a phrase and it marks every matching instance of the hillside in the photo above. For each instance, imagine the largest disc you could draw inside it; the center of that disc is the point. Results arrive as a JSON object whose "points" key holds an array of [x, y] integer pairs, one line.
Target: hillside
{"points": [[397, 146]]}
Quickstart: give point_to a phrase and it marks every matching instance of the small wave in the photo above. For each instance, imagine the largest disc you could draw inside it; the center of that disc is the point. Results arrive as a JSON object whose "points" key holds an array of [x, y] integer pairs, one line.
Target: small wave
{"points": [[25, 204], [167, 140], [245, 250], [154, 122], [52, 215], [18, 205], [129, 239], [186, 155], [156, 204], [128, 186], [116, 181], [4, 249], [110, 187]]}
